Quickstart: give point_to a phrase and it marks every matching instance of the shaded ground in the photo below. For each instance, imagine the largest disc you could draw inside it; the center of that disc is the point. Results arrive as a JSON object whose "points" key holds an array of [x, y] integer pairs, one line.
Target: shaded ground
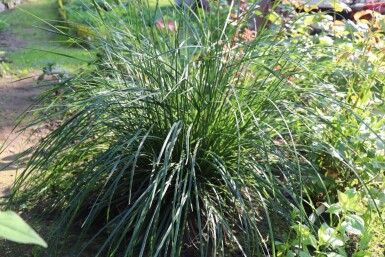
{"points": [[9, 42], [28, 48], [15, 98]]}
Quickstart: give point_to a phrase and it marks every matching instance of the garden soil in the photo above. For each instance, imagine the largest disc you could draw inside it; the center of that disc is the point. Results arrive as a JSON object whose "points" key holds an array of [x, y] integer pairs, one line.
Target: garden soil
{"points": [[15, 97]]}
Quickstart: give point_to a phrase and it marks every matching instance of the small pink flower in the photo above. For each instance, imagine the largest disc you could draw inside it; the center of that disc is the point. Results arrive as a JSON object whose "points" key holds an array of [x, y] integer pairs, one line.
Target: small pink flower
{"points": [[171, 26], [159, 24]]}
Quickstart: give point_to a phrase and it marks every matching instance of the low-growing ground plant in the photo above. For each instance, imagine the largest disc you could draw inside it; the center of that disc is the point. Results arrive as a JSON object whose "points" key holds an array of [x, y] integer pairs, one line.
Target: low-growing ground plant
{"points": [[3, 25], [200, 140], [346, 232]]}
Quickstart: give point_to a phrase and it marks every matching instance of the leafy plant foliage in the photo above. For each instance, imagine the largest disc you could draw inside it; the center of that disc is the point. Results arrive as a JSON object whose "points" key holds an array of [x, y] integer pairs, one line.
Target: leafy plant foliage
{"points": [[14, 228]]}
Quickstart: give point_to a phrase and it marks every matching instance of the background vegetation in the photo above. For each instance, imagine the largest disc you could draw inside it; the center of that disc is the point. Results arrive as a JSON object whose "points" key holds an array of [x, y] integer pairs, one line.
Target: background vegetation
{"points": [[32, 46]]}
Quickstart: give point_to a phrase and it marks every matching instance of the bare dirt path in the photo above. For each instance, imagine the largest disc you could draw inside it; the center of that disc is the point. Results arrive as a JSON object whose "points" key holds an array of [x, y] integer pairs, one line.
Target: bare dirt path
{"points": [[15, 98], [16, 94]]}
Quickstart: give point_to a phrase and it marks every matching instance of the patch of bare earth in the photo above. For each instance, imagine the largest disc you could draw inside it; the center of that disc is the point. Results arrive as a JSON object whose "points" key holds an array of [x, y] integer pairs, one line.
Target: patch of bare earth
{"points": [[15, 98], [9, 42]]}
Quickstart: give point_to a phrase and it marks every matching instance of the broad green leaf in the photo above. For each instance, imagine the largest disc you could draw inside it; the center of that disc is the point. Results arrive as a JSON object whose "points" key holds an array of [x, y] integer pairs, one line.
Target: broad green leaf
{"points": [[304, 235], [334, 208], [329, 236], [365, 240], [349, 200], [14, 228], [342, 197], [290, 254], [347, 227], [357, 224], [282, 247], [304, 254]]}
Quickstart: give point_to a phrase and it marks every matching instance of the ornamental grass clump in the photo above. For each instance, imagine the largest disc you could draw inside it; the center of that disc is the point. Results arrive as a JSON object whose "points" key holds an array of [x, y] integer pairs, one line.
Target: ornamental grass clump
{"points": [[183, 142]]}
